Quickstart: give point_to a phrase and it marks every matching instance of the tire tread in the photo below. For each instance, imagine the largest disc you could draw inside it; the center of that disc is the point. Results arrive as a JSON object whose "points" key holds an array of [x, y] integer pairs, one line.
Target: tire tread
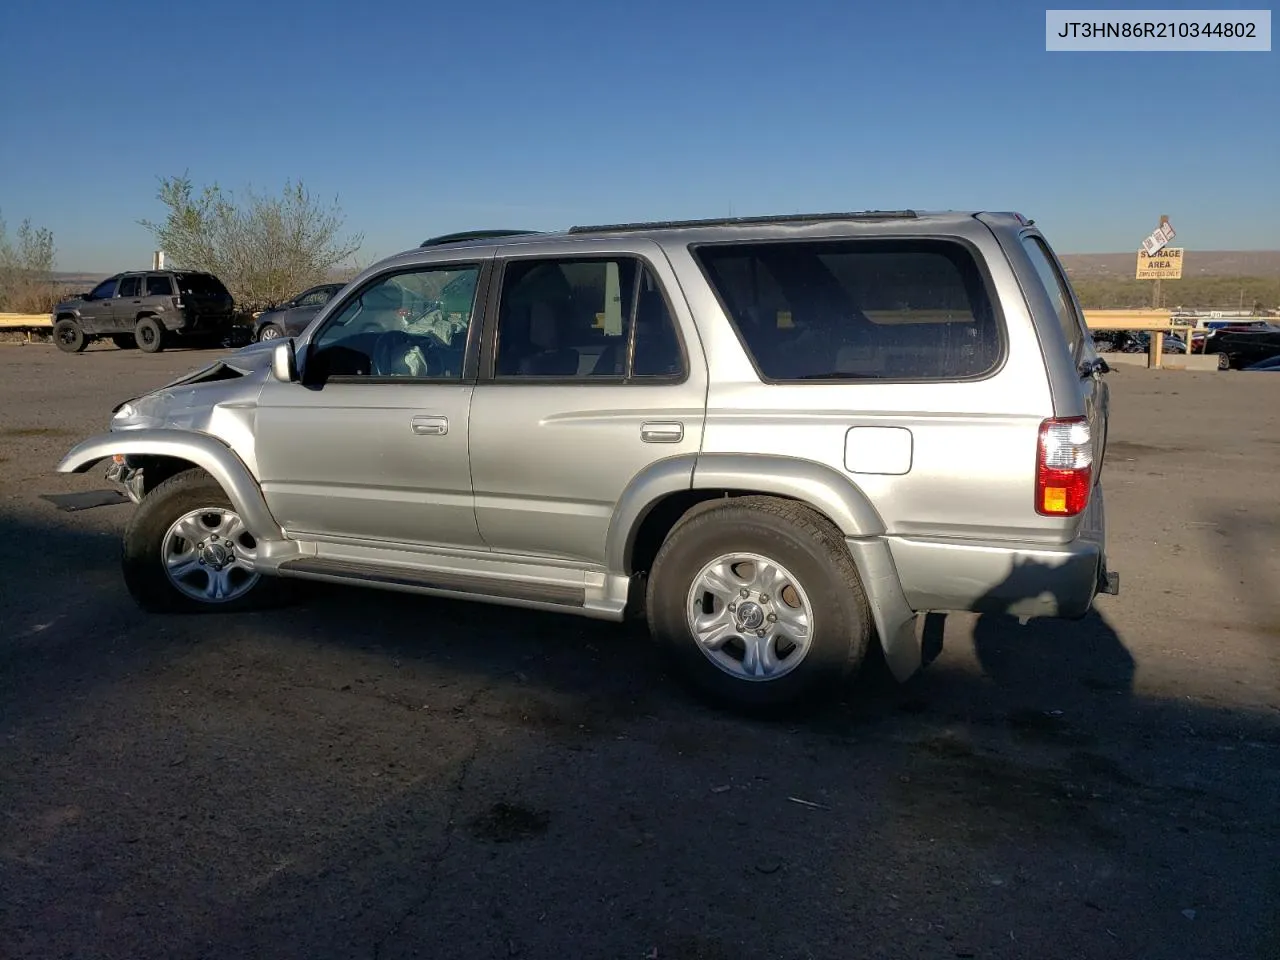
{"points": [[825, 538]]}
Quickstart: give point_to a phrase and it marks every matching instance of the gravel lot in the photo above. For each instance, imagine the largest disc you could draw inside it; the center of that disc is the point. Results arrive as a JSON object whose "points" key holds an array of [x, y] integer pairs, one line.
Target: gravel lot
{"points": [[375, 775]]}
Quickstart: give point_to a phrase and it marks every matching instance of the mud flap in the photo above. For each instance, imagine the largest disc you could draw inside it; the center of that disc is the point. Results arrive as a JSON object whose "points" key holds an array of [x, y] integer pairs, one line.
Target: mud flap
{"points": [[894, 619]]}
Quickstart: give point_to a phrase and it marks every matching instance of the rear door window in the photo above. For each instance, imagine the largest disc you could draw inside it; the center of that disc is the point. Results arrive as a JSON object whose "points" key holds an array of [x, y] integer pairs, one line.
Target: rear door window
{"points": [[844, 310], [586, 318], [159, 285], [1055, 285]]}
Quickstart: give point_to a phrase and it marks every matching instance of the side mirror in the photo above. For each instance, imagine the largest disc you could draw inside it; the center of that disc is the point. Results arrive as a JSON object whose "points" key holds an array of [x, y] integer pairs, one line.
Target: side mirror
{"points": [[284, 362]]}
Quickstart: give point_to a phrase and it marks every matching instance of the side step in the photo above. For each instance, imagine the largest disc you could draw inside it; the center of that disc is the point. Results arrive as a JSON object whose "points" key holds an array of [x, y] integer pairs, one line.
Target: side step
{"points": [[372, 575]]}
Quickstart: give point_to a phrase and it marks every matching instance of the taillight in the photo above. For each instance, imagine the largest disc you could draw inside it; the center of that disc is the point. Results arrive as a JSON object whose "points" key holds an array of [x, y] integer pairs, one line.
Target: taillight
{"points": [[1064, 467]]}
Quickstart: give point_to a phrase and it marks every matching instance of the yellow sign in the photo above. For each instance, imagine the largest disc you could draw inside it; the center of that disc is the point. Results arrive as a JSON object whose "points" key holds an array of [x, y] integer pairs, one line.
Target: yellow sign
{"points": [[1164, 264]]}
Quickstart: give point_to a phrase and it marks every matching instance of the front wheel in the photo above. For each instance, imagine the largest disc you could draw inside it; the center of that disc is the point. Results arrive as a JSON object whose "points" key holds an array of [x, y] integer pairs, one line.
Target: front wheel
{"points": [[69, 336], [270, 332], [187, 550], [1224, 362], [149, 335], [759, 602]]}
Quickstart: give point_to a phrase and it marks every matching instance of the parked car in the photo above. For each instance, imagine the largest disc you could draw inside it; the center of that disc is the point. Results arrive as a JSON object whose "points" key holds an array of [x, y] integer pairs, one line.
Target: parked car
{"points": [[1135, 341], [1240, 347], [291, 317], [777, 439], [147, 309]]}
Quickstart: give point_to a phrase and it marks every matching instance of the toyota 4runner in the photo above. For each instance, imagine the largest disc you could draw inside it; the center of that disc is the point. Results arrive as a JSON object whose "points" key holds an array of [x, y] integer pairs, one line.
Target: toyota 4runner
{"points": [[779, 439]]}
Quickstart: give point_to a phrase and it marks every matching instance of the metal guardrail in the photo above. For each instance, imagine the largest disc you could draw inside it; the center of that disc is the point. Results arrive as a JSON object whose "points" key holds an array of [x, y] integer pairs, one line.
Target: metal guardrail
{"points": [[24, 321]]}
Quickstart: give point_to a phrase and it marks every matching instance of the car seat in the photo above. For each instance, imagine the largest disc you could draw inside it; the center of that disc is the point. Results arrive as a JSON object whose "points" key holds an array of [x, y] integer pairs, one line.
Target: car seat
{"points": [[546, 329]]}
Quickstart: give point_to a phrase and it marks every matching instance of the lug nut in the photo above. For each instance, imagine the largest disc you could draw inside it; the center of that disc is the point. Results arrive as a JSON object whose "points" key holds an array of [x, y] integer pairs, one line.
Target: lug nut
{"points": [[745, 593], [733, 607], [759, 633], [764, 598], [772, 618]]}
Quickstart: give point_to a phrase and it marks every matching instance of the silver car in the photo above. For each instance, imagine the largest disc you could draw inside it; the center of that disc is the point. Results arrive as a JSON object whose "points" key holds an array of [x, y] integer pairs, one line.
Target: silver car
{"points": [[779, 439]]}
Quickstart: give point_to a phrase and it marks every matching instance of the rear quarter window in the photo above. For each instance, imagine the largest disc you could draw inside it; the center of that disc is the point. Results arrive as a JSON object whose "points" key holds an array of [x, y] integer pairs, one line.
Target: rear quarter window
{"points": [[1055, 285], [838, 310], [201, 285]]}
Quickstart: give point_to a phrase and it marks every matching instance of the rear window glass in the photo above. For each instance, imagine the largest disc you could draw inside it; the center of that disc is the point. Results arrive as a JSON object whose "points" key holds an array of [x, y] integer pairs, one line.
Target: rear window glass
{"points": [[201, 285], [857, 309]]}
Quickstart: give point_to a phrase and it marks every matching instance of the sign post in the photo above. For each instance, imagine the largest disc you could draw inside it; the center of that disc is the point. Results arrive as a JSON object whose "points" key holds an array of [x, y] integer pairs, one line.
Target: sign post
{"points": [[1157, 260]]}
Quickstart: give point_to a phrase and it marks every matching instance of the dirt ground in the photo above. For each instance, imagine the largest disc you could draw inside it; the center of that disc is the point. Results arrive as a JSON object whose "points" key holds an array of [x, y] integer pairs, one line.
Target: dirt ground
{"points": [[375, 775]]}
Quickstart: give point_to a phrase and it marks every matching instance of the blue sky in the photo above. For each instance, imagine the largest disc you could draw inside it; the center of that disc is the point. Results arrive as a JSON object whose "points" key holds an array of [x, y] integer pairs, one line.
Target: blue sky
{"points": [[423, 118]]}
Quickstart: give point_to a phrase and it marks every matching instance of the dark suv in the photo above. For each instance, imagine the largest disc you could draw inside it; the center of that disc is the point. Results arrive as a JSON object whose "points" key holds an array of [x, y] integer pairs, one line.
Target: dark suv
{"points": [[149, 309]]}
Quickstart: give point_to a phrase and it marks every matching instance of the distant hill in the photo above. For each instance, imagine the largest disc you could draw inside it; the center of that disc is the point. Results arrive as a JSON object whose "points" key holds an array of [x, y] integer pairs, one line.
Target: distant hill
{"points": [[78, 279], [1198, 263]]}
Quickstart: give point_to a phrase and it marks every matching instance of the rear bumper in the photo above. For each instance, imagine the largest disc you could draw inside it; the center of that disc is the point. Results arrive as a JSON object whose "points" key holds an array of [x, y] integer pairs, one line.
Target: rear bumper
{"points": [[1017, 578]]}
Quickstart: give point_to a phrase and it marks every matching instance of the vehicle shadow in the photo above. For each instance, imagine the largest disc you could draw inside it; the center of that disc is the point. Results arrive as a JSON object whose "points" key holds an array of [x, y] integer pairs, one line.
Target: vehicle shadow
{"points": [[374, 774]]}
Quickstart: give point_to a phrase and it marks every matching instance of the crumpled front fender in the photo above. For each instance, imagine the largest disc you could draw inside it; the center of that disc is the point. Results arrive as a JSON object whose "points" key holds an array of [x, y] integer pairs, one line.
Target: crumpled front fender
{"points": [[200, 449]]}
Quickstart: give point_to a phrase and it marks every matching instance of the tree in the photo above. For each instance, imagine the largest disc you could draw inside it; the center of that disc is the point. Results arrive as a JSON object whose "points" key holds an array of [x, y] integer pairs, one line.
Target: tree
{"points": [[26, 269], [265, 249]]}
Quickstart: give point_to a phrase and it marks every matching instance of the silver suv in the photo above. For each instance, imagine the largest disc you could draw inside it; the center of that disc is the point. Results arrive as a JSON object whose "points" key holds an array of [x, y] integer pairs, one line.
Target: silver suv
{"points": [[776, 438]]}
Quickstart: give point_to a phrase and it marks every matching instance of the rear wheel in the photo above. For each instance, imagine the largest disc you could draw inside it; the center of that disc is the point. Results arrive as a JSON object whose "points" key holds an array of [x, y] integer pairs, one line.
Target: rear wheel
{"points": [[759, 603], [270, 332], [149, 335], [69, 336], [187, 550], [125, 341]]}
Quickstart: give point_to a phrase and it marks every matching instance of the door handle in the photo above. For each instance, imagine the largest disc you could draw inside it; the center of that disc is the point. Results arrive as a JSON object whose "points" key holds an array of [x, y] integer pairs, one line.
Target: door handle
{"points": [[669, 431], [430, 426]]}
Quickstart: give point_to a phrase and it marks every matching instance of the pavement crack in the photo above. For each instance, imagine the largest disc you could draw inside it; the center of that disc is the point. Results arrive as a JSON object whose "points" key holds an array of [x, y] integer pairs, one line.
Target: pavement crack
{"points": [[456, 790]]}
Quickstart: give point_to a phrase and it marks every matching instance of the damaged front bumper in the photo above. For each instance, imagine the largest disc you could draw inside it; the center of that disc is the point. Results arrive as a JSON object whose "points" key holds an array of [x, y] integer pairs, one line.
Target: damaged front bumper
{"points": [[127, 476]]}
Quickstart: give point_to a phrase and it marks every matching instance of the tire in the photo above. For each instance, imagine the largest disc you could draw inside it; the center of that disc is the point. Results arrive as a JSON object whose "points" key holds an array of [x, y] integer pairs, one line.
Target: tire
{"points": [[69, 336], [125, 341], [149, 335], [190, 501], [1224, 362], [270, 331], [812, 560]]}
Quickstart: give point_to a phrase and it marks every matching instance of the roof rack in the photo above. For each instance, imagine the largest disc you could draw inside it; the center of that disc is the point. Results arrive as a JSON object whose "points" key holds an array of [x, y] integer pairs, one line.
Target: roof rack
{"points": [[473, 235], [732, 221]]}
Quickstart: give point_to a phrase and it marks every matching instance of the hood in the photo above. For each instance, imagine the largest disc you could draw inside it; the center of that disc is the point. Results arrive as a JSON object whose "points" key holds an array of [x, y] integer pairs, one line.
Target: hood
{"points": [[250, 359], [69, 304], [190, 400]]}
